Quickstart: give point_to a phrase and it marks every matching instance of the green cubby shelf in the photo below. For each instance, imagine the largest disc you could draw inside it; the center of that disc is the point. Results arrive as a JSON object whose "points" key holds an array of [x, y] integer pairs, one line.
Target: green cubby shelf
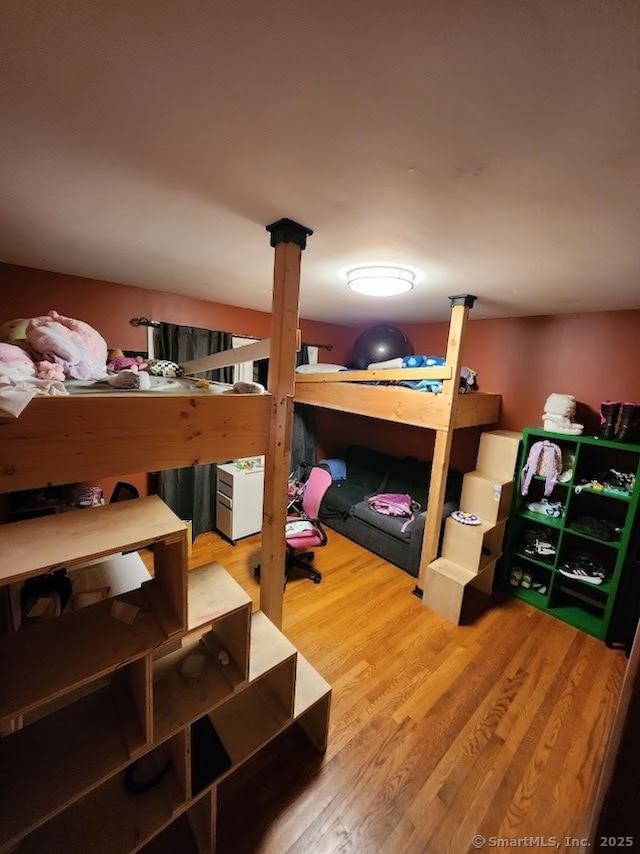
{"points": [[585, 606]]}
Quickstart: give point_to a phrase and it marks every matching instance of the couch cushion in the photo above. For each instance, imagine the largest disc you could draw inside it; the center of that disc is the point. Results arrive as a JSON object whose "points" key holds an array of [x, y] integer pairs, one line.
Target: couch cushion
{"points": [[367, 468], [340, 497], [411, 476], [391, 525]]}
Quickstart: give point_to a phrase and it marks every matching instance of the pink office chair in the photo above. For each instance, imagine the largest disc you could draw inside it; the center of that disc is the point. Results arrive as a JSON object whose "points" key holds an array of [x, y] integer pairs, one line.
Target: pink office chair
{"points": [[305, 531]]}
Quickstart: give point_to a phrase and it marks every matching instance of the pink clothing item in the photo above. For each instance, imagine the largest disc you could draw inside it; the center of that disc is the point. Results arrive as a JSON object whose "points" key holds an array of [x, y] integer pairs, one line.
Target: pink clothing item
{"points": [[80, 351], [11, 354]]}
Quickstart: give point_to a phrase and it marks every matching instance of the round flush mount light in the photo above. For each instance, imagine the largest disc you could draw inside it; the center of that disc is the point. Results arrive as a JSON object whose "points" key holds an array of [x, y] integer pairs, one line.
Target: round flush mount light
{"points": [[380, 280]]}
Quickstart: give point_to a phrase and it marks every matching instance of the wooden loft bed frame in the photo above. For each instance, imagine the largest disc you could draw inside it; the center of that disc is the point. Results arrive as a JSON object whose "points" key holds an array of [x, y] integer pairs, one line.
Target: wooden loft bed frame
{"points": [[59, 440], [444, 412]]}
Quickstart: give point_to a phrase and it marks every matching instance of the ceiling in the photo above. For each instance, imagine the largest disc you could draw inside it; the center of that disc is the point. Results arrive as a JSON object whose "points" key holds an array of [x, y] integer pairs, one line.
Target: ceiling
{"points": [[493, 145]]}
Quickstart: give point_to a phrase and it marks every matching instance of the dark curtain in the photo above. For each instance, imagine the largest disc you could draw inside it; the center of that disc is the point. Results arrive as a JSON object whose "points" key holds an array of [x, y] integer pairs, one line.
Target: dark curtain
{"points": [[303, 436], [190, 492]]}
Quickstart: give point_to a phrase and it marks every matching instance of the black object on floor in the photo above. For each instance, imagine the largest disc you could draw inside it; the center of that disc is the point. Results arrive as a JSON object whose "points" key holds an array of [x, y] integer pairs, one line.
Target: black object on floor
{"points": [[209, 759]]}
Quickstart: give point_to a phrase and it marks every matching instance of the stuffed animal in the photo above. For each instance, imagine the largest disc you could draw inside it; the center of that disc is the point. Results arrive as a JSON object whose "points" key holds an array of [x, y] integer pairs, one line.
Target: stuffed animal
{"points": [[129, 363], [14, 330], [49, 371], [164, 368]]}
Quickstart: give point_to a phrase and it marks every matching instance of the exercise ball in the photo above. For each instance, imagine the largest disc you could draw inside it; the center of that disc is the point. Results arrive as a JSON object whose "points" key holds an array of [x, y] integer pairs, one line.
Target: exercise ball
{"points": [[378, 344]]}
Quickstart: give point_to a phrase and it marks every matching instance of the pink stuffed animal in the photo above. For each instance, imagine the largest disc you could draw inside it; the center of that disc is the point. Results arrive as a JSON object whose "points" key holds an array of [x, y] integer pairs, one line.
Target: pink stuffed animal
{"points": [[121, 363], [49, 371]]}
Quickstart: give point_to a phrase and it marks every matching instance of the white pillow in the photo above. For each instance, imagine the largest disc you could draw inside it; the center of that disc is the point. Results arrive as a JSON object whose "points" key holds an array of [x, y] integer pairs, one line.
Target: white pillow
{"points": [[319, 369]]}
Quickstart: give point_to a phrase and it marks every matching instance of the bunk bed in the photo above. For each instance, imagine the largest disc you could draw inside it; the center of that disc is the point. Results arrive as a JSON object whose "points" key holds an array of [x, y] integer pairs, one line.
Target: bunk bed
{"points": [[444, 412], [111, 679], [65, 439]]}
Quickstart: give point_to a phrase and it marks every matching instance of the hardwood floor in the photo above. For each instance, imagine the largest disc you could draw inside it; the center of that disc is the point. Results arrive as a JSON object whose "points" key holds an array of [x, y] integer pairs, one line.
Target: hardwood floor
{"points": [[438, 733]]}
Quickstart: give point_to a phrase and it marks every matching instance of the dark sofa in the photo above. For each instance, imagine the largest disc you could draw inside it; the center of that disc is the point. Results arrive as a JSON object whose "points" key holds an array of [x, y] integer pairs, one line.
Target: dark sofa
{"points": [[345, 507]]}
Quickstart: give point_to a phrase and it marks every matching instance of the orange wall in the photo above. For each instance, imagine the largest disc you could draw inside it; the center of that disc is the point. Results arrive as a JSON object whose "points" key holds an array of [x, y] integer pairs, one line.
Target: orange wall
{"points": [[592, 356], [108, 307]]}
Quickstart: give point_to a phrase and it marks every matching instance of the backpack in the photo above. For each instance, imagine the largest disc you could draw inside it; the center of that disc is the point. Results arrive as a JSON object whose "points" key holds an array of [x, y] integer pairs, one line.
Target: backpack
{"points": [[544, 460], [395, 504]]}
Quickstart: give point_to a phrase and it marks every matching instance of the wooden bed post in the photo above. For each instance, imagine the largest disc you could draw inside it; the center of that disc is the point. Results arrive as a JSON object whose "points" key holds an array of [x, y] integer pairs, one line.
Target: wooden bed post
{"points": [[460, 306], [289, 239]]}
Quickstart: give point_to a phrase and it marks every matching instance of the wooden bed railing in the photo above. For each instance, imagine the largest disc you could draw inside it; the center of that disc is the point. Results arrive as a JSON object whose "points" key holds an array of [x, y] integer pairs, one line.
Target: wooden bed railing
{"points": [[443, 373]]}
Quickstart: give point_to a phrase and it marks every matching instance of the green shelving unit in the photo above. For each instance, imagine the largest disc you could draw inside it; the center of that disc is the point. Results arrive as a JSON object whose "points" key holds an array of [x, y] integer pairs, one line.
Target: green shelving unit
{"points": [[580, 603]]}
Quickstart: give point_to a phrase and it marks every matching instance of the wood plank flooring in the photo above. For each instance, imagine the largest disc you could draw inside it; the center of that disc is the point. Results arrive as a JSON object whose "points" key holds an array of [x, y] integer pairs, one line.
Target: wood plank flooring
{"points": [[438, 733]]}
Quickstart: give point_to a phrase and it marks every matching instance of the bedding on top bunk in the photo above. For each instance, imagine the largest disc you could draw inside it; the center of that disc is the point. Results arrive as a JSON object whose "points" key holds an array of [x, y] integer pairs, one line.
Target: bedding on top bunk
{"points": [[467, 375], [55, 355], [15, 396]]}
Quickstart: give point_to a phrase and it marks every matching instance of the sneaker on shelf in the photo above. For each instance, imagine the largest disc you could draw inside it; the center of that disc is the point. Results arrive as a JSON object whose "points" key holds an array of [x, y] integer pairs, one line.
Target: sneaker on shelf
{"points": [[527, 579], [540, 548], [539, 587], [592, 526], [545, 507], [516, 576], [584, 569]]}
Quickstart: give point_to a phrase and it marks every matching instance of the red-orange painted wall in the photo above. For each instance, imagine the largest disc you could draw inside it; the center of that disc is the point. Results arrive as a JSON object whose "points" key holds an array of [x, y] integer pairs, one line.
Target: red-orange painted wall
{"points": [[592, 356], [108, 307]]}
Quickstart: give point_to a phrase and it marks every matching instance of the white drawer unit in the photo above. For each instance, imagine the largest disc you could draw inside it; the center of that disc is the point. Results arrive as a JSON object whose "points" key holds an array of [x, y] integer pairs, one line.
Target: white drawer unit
{"points": [[239, 500]]}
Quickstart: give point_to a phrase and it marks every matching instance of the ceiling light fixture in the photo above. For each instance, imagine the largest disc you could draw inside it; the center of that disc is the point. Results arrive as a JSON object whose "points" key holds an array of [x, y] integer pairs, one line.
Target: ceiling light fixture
{"points": [[380, 280]]}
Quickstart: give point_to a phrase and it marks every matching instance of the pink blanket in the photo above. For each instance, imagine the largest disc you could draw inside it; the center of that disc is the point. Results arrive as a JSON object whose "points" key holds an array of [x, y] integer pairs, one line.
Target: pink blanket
{"points": [[72, 344]]}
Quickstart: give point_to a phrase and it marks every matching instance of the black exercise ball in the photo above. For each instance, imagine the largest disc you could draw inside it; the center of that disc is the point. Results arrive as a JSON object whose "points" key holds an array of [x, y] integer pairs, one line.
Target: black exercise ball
{"points": [[378, 344]]}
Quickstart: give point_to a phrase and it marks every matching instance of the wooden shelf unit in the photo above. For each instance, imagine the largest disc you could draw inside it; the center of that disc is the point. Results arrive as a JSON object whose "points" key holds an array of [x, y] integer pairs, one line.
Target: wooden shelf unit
{"points": [[120, 694]]}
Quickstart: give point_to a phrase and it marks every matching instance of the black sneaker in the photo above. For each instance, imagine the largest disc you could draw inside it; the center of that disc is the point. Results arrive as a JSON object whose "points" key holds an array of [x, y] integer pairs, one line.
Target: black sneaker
{"points": [[601, 529], [584, 569]]}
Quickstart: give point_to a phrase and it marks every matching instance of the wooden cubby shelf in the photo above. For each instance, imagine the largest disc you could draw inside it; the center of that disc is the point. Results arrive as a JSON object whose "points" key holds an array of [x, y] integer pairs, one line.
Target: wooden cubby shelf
{"points": [[44, 661], [90, 696], [212, 593], [178, 701], [48, 765], [111, 820]]}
